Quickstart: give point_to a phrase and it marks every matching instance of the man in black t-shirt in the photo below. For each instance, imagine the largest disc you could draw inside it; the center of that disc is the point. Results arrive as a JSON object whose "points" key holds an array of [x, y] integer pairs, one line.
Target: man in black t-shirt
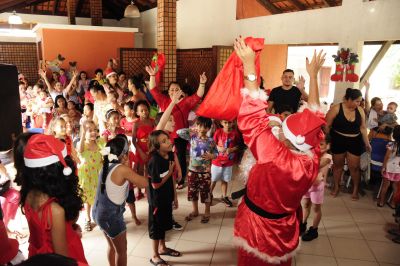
{"points": [[287, 94]]}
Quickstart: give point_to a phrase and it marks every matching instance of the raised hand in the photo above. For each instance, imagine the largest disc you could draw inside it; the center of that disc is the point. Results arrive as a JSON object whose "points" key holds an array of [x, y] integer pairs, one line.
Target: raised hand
{"points": [[42, 73], [301, 82], [150, 70], [366, 84], [177, 96], [244, 52], [203, 78], [316, 63]]}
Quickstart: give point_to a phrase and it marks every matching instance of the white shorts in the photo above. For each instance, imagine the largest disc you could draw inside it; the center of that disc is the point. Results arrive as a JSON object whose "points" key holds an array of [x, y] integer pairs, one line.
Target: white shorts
{"points": [[219, 173]]}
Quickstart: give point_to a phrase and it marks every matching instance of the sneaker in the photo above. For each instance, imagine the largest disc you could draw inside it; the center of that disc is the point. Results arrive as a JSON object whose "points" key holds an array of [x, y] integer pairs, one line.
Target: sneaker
{"points": [[227, 202], [176, 226], [311, 234], [303, 228]]}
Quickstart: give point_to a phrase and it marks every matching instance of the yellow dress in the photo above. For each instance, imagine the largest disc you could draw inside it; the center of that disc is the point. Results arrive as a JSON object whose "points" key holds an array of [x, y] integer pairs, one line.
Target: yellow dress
{"points": [[89, 169]]}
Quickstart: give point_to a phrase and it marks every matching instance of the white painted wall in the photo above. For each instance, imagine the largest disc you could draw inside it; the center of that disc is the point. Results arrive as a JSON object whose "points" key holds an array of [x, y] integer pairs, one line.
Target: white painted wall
{"points": [[213, 22]]}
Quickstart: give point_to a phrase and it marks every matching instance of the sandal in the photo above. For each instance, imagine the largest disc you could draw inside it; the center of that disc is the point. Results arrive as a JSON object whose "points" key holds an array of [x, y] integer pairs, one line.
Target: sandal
{"points": [[88, 226], [394, 232], [171, 252], [191, 216], [391, 206], [179, 186], [380, 205], [205, 219], [355, 198], [160, 262]]}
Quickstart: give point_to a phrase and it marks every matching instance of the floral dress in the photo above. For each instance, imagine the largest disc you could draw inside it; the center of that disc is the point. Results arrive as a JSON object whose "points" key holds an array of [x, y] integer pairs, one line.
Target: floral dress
{"points": [[88, 170]]}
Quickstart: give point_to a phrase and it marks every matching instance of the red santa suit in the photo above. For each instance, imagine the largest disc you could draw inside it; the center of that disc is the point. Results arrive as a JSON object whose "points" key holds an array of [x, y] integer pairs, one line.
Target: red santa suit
{"points": [[266, 225]]}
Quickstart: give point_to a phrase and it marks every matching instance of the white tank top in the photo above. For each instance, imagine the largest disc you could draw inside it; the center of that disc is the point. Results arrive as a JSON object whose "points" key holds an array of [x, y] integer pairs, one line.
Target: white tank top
{"points": [[117, 194]]}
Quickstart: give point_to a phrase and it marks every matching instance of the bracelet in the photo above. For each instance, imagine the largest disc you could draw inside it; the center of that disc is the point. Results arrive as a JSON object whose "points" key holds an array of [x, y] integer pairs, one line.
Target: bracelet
{"points": [[152, 75], [202, 83]]}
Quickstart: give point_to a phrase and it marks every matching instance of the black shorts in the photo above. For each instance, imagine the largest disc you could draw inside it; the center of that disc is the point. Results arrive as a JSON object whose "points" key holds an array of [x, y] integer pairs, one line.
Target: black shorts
{"points": [[160, 221], [342, 144], [131, 196]]}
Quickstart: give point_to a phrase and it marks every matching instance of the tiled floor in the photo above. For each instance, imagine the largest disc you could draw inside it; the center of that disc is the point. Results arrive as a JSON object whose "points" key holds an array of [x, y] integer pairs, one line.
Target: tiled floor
{"points": [[351, 234]]}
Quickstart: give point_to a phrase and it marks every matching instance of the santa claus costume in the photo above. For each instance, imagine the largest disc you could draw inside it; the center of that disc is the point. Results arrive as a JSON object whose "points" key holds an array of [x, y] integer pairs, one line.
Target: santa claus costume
{"points": [[287, 161]]}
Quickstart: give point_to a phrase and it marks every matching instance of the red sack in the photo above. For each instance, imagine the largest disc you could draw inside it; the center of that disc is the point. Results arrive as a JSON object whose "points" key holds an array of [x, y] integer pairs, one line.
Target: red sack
{"points": [[223, 100], [158, 63]]}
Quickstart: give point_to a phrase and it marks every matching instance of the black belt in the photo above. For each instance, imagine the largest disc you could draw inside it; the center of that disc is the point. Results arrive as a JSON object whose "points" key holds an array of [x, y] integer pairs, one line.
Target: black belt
{"points": [[257, 210]]}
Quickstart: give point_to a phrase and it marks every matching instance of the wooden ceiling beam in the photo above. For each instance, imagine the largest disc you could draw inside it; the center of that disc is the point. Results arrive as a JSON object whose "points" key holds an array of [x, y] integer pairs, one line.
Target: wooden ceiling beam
{"points": [[300, 6], [9, 4], [269, 6], [329, 3], [117, 13]]}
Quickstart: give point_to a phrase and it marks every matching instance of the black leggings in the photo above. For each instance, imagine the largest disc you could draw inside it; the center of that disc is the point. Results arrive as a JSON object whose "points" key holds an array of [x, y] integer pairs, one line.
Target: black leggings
{"points": [[181, 146]]}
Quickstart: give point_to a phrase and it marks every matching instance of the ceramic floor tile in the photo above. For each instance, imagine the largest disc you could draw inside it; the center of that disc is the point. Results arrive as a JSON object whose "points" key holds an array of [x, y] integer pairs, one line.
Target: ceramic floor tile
{"points": [[351, 249], [144, 248], [385, 252], [349, 262], [338, 213], [368, 216], [229, 218], [320, 246], [347, 229], [138, 261], [363, 203], [225, 235], [377, 232], [193, 253], [307, 260], [224, 255], [196, 231]]}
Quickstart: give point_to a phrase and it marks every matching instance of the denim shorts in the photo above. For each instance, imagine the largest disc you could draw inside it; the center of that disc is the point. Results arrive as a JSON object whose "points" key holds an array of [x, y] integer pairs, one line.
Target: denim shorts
{"points": [[109, 218], [221, 173]]}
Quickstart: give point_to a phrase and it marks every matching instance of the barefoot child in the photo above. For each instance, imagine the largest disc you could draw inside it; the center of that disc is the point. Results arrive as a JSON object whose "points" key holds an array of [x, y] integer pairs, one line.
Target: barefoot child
{"points": [[90, 165], [315, 195]]}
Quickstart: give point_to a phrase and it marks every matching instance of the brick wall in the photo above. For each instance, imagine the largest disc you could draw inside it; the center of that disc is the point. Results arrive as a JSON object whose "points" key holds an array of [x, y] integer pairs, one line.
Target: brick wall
{"points": [[24, 56]]}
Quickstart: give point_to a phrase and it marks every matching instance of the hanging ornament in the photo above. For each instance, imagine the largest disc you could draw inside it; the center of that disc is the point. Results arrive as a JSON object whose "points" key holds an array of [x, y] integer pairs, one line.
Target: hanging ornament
{"points": [[345, 65]]}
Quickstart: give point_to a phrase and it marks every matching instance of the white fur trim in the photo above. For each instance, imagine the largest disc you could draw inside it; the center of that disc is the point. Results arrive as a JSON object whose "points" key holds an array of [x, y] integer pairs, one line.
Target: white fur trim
{"points": [[275, 118], [258, 94], [242, 243], [111, 73], [40, 162], [292, 138], [300, 139], [67, 171], [314, 108]]}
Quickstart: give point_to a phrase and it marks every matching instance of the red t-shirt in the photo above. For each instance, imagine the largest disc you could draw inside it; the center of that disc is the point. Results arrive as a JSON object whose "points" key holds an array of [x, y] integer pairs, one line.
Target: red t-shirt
{"points": [[180, 111], [107, 132], [226, 140], [127, 126]]}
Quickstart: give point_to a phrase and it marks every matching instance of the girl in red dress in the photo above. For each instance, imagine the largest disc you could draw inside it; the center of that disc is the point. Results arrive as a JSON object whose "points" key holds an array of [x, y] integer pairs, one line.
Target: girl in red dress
{"points": [[50, 195]]}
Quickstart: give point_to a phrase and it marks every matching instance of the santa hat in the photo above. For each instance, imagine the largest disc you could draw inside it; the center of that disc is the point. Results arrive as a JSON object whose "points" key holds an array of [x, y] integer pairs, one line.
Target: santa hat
{"points": [[8, 246], [303, 129], [109, 72], [43, 150]]}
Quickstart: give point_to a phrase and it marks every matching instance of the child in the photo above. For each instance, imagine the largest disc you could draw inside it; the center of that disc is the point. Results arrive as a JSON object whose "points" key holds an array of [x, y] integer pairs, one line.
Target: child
{"points": [[58, 128], [389, 120], [112, 190], [391, 168], [44, 104], [202, 151], [90, 165], [140, 133], [160, 194], [113, 129], [112, 102], [227, 141], [63, 77], [128, 121], [87, 113], [315, 194], [50, 195]]}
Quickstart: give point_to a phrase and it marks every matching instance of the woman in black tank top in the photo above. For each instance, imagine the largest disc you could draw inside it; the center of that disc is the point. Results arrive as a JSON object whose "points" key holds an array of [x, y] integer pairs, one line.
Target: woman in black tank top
{"points": [[345, 122]]}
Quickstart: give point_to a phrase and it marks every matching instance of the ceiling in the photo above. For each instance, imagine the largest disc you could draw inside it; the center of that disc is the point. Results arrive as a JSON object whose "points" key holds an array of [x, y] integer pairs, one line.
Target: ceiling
{"points": [[112, 9], [285, 6]]}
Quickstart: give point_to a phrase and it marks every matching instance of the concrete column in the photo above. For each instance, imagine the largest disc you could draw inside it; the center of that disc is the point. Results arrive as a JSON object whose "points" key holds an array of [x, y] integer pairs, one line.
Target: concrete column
{"points": [[166, 38]]}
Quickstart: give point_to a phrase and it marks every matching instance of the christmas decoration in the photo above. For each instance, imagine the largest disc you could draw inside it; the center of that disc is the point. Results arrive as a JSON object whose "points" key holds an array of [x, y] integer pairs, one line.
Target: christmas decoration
{"points": [[345, 65]]}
